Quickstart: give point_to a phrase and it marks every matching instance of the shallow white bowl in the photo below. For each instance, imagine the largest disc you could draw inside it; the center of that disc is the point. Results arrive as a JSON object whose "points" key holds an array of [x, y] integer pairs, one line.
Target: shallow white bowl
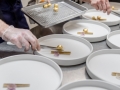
{"points": [[79, 48], [111, 19], [113, 39], [40, 72], [102, 63], [100, 30], [89, 85]]}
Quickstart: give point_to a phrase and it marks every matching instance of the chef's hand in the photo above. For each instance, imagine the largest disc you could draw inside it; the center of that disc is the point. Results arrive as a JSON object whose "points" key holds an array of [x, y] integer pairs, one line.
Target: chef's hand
{"points": [[102, 5], [21, 37]]}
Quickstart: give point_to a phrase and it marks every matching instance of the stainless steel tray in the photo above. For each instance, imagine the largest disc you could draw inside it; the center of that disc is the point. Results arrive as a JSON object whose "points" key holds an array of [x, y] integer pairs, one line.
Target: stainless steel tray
{"points": [[46, 17]]}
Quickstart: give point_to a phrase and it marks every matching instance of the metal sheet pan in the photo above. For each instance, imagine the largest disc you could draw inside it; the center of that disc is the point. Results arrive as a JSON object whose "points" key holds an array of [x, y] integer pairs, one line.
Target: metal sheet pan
{"points": [[46, 17]]}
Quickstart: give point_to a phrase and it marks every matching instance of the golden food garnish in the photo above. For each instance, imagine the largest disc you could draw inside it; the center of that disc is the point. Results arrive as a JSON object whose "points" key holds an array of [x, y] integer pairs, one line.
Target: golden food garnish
{"points": [[94, 18], [55, 5], [45, 5], [59, 47], [113, 8], [61, 52], [49, 4], [85, 31], [98, 17], [55, 9]]}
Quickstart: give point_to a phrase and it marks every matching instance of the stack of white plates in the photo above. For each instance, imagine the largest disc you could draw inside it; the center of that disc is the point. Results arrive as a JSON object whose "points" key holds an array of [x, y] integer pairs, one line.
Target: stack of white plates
{"points": [[101, 64], [117, 6], [99, 30], [79, 48], [113, 40], [89, 85], [111, 19], [39, 72]]}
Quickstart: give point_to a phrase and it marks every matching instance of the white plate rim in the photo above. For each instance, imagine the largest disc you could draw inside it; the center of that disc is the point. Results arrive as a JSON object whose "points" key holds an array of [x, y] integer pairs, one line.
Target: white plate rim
{"points": [[75, 82], [91, 50], [93, 22], [4, 60], [116, 4], [110, 44], [92, 55]]}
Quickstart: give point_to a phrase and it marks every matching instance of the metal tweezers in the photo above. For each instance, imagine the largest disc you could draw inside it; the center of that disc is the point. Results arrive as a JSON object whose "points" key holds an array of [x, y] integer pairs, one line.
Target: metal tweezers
{"points": [[42, 46], [47, 46]]}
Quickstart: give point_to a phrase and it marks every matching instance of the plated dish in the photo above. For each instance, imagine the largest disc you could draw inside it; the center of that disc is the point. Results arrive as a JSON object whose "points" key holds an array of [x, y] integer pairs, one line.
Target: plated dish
{"points": [[29, 72], [92, 31], [109, 20], [77, 49], [116, 7]]}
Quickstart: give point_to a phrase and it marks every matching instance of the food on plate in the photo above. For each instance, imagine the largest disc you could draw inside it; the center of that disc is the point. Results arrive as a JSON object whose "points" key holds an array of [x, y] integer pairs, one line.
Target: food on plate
{"points": [[85, 31], [45, 5], [113, 8], [49, 4], [55, 9], [61, 52]]}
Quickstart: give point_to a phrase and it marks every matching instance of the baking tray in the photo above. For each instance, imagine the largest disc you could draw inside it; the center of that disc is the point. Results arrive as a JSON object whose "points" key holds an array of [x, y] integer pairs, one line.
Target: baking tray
{"points": [[46, 17]]}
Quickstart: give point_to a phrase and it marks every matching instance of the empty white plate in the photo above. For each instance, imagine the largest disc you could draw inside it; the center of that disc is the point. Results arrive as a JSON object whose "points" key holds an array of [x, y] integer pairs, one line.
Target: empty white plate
{"points": [[99, 30], [111, 19], [40, 72], [89, 85], [117, 6], [101, 64], [79, 48], [113, 39]]}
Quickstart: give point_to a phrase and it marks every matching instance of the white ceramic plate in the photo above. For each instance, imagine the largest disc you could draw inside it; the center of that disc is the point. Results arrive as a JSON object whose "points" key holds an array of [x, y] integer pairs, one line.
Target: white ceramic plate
{"points": [[113, 40], [102, 63], [40, 72], [111, 19], [79, 48], [116, 5], [100, 30], [89, 85]]}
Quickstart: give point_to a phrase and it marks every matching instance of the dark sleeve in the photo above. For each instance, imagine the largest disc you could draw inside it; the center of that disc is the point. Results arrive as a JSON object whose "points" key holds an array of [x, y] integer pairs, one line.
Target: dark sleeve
{"points": [[1, 15], [114, 1]]}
